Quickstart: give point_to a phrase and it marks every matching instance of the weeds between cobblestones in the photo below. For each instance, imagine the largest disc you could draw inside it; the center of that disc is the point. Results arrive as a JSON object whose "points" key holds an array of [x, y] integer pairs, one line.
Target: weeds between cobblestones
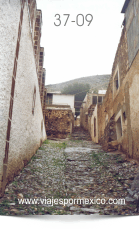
{"points": [[71, 169]]}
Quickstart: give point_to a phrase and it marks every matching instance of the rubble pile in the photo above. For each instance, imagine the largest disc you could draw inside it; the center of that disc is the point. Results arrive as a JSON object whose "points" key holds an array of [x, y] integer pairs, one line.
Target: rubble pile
{"points": [[58, 123]]}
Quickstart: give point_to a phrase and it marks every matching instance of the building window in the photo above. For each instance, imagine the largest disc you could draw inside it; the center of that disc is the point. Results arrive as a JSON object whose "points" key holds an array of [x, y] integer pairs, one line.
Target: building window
{"points": [[49, 98], [99, 99], [94, 100], [124, 116], [116, 81]]}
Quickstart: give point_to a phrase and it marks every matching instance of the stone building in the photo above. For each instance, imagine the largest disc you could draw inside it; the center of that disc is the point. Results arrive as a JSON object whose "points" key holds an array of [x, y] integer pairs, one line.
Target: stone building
{"points": [[118, 115], [88, 113], [22, 80]]}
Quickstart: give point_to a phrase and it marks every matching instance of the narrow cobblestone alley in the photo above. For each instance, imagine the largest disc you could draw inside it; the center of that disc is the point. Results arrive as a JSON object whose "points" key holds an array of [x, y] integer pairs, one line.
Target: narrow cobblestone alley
{"points": [[65, 177]]}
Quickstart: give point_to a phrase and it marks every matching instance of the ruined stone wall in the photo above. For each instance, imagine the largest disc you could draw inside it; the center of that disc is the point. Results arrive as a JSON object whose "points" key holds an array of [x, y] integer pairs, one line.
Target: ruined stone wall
{"points": [[121, 57], [133, 110], [114, 99], [132, 28], [22, 128], [84, 111], [58, 123], [122, 104], [93, 122], [105, 111], [88, 114]]}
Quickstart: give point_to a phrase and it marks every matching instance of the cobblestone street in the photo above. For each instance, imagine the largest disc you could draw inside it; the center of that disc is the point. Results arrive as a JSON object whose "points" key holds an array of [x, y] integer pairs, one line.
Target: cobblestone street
{"points": [[69, 170]]}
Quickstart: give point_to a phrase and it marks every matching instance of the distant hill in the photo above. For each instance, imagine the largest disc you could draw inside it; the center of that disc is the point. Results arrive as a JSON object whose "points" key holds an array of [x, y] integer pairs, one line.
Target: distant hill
{"points": [[97, 82]]}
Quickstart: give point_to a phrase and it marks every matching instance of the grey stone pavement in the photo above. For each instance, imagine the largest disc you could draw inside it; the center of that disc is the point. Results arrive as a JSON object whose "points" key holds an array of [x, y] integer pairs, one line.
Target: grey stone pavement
{"points": [[73, 176]]}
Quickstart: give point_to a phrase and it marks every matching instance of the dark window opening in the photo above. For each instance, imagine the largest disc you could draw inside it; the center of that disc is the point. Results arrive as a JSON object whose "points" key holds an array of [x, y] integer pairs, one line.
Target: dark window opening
{"points": [[116, 81], [49, 98], [99, 99], [124, 115], [94, 100]]}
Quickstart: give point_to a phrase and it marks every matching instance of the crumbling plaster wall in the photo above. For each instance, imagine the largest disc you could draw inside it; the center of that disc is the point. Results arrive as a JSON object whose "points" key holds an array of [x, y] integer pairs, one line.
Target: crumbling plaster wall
{"points": [[26, 132], [26, 129], [9, 20]]}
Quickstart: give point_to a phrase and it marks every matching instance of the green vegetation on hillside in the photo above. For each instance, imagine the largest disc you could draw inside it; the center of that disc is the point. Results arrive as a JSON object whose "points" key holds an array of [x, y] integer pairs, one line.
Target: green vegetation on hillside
{"points": [[97, 82]]}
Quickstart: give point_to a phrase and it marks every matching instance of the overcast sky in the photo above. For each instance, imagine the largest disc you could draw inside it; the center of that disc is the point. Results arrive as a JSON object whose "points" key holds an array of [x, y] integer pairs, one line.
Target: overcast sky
{"points": [[74, 51]]}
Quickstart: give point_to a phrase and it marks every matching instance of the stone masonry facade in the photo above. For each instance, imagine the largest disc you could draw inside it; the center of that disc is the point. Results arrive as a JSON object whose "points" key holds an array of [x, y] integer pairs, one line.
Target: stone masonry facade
{"points": [[118, 114]]}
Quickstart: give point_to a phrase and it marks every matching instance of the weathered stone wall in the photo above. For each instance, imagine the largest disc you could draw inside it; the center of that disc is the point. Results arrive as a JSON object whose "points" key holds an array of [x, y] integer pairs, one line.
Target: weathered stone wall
{"points": [[94, 123], [84, 111], [121, 57], [88, 114], [58, 123], [22, 129], [108, 139], [77, 121], [114, 101], [105, 111], [132, 28], [121, 104]]}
